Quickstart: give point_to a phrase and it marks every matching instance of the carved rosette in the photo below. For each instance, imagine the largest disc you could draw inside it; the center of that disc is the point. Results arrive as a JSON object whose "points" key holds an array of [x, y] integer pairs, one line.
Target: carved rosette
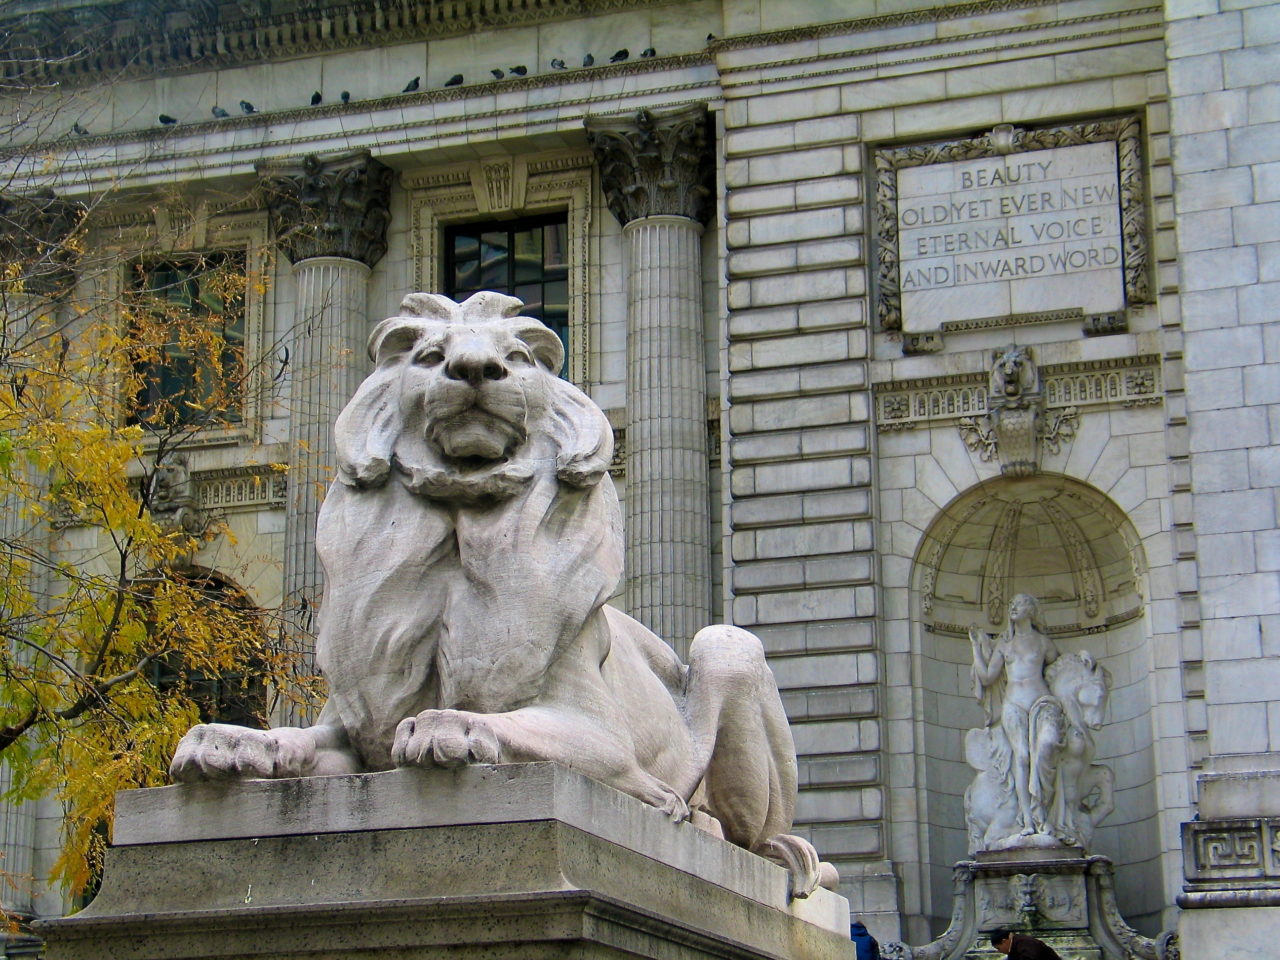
{"points": [[337, 207], [34, 234], [655, 163]]}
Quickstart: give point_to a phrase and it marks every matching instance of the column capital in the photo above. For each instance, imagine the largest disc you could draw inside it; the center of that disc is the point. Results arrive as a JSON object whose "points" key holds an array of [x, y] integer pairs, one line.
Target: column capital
{"points": [[329, 207], [34, 230], [655, 162]]}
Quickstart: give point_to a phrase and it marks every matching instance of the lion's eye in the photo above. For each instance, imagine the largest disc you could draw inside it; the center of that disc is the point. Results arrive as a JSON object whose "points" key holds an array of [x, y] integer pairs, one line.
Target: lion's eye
{"points": [[429, 358], [519, 356]]}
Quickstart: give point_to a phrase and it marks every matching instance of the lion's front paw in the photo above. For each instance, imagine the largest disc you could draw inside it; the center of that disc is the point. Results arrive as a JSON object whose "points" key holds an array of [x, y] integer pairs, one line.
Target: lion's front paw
{"points": [[221, 751], [444, 738]]}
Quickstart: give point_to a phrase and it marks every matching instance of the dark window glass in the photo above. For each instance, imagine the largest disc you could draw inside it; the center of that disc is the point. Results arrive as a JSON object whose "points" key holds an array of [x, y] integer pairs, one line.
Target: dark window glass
{"points": [[236, 696], [194, 307], [528, 259]]}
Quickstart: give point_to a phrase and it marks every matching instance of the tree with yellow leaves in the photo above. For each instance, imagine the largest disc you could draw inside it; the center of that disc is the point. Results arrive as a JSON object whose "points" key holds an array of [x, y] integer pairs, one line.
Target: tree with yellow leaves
{"points": [[114, 642]]}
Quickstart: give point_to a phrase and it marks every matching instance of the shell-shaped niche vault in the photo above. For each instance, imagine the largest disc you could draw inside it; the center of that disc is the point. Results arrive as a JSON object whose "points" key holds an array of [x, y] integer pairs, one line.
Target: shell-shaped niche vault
{"points": [[1070, 546]]}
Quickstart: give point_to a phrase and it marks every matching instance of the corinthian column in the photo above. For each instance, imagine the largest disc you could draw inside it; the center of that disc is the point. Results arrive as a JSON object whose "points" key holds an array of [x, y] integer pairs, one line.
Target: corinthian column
{"points": [[656, 170], [330, 218]]}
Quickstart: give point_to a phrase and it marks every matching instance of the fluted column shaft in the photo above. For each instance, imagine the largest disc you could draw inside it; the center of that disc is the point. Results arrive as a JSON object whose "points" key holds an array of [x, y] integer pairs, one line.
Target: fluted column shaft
{"points": [[668, 532], [656, 172], [329, 363], [330, 217]]}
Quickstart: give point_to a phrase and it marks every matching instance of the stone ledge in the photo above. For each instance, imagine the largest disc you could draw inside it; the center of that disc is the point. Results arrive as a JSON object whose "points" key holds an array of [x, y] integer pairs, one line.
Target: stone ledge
{"points": [[462, 857]]}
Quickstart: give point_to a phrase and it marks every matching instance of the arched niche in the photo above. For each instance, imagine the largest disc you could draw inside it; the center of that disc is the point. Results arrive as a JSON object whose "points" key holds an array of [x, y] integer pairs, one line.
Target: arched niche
{"points": [[1070, 546]]}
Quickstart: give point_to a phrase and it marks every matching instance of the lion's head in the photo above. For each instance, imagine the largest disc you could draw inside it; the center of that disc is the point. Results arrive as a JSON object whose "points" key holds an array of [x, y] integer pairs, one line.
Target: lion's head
{"points": [[465, 403]]}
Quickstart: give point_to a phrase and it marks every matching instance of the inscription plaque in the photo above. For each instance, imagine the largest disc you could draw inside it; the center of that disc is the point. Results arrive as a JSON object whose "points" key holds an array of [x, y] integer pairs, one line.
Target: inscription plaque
{"points": [[1018, 234]]}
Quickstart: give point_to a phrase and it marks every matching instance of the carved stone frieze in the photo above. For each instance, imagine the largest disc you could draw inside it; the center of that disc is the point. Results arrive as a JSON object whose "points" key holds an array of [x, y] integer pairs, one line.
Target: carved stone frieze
{"points": [[36, 231], [1125, 382], [330, 207], [655, 163], [1005, 140]]}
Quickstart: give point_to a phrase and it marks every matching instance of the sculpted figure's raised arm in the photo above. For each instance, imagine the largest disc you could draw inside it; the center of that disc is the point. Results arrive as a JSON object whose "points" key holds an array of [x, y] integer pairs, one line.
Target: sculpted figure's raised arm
{"points": [[469, 543], [1037, 784]]}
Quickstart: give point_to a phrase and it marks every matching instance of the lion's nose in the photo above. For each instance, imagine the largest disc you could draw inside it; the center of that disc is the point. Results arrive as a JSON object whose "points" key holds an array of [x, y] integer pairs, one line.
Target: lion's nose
{"points": [[474, 367]]}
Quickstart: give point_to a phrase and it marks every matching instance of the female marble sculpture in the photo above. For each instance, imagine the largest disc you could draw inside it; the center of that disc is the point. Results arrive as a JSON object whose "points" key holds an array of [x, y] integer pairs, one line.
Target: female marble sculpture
{"points": [[1037, 784], [470, 542]]}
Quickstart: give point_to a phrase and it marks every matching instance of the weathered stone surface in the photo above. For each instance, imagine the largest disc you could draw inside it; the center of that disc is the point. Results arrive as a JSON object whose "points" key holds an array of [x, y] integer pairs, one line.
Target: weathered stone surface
{"points": [[478, 479], [530, 860], [1037, 784]]}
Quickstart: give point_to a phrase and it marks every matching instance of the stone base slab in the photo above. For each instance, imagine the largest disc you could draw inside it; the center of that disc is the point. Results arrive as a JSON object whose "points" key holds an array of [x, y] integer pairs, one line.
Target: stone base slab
{"points": [[1229, 933], [520, 861]]}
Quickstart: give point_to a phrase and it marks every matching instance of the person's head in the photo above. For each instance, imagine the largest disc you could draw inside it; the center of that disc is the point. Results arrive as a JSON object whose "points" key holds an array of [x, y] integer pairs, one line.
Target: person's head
{"points": [[1002, 940]]}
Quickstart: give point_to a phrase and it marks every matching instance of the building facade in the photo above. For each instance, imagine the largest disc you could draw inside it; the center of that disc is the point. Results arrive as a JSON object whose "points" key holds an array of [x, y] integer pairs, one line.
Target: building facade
{"points": [[898, 309]]}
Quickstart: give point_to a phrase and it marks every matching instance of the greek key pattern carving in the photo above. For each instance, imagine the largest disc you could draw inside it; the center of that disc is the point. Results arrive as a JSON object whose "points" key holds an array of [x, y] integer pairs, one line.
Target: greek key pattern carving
{"points": [[1003, 140], [1232, 849], [1130, 382]]}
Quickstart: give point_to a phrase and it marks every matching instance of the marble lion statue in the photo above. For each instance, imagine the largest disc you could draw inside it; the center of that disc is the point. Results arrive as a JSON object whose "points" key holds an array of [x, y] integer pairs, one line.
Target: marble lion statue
{"points": [[469, 544]]}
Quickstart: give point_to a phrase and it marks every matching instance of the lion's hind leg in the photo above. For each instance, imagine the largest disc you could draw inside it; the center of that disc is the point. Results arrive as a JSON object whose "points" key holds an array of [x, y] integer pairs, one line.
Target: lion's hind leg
{"points": [[743, 754]]}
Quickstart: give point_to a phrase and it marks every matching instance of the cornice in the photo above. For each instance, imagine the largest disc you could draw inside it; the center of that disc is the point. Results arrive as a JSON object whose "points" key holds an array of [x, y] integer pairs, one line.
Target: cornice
{"points": [[941, 12], [400, 101], [79, 45]]}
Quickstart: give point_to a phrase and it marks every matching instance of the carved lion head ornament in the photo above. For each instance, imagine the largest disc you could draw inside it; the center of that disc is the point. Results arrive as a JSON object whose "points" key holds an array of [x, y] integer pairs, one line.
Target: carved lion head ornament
{"points": [[449, 407]]}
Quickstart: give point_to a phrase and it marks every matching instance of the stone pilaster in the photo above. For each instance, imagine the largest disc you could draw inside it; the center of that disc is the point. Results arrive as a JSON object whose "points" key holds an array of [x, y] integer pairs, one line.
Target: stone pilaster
{"points": [[656, 172], [35, 231], [330, 218]]}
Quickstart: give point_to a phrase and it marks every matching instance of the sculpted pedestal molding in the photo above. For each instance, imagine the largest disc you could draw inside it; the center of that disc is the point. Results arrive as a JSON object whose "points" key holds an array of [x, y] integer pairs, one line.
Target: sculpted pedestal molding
{"points": [[655, 169], [330, 218], [524, 861]]}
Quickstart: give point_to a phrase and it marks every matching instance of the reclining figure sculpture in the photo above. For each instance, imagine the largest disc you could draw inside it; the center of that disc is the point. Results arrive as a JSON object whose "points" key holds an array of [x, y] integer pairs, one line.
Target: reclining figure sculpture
{"points": [[469, 543]]}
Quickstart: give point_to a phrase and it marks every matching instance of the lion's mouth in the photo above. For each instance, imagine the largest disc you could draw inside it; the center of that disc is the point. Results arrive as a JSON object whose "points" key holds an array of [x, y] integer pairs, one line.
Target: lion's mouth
{"points": [[474, 439]]}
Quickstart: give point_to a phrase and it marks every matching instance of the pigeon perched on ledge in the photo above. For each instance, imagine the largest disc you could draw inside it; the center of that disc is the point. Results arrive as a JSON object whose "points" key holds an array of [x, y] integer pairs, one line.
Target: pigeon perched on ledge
{"points": [[219, 113], [412, 85], [247, 108], [316, 98], [454, 81], [620, 55], [167, 120]]}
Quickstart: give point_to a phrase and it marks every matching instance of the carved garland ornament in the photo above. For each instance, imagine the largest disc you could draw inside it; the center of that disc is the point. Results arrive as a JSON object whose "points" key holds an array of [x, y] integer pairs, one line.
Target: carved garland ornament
{"points": [[337, 207], [655, 163], [1001, 141], [1017, 426]]}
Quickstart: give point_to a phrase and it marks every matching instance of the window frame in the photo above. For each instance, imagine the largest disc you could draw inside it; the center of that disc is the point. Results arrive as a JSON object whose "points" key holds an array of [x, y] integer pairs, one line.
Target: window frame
{"points": [[143, 239], [509, 187], [510, 226]]}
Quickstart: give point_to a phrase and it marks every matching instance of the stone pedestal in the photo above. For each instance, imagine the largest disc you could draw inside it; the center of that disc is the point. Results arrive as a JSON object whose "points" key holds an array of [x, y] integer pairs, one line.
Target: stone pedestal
{"points": [[1231, 861], [509, 861], [1062, 896]]}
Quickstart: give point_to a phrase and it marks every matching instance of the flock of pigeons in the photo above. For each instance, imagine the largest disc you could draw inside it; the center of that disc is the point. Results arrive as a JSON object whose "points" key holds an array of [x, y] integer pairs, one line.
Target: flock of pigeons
{"points": [[413, 85]]}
